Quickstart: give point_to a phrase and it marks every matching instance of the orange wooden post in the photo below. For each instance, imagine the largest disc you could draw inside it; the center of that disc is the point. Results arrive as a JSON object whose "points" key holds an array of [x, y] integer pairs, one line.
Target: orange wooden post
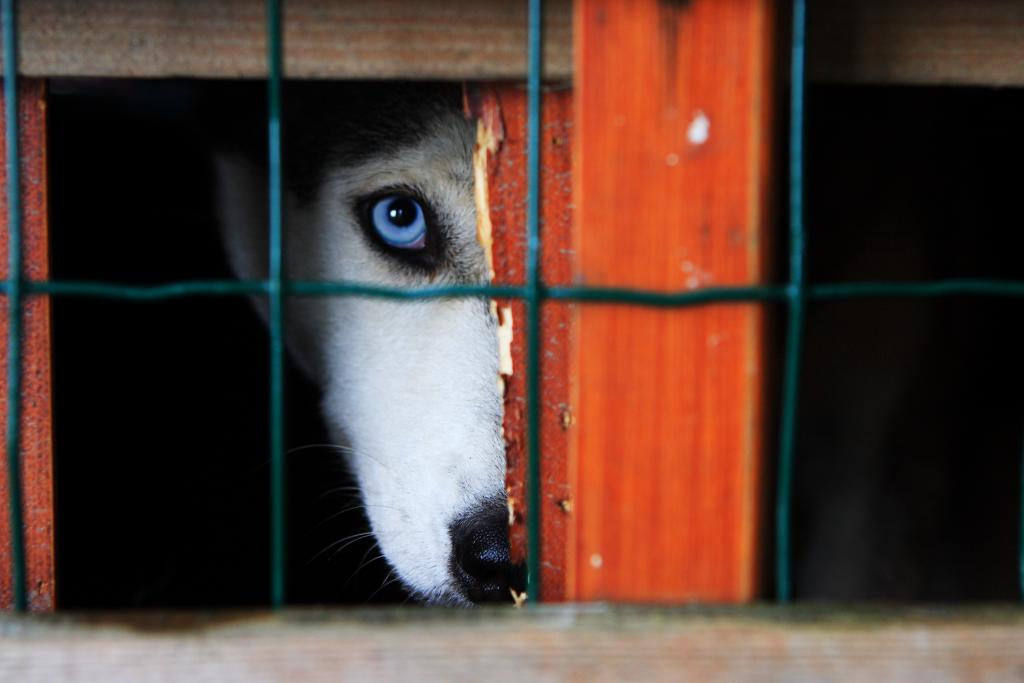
{"points": [[501, 169], [672, 143], [36, 438]]}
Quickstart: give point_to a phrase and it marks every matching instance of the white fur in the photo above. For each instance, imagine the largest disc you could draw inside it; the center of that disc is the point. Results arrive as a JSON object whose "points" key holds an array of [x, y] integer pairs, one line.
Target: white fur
{"points": [[410, 386]]}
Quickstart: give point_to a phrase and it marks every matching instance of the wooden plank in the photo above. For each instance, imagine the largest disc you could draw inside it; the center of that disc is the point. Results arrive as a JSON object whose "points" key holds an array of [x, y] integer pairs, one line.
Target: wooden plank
{"points": [[956, 42], [860, 41], [458, 39], [543, 644], [501, 162], [36, 417], [672, 143]]}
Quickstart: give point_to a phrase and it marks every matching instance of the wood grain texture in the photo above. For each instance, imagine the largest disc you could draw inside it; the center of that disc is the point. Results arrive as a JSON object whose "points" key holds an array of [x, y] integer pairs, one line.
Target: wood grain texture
{"points": [[861, 41], [672, 142], [964, 42], [36, 418], [516, 645], [323, 39], [502, 109]]}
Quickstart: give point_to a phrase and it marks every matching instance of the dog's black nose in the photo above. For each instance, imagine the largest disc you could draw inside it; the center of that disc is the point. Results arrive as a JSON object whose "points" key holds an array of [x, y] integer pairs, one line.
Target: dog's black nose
{"points": [[480, 554]]}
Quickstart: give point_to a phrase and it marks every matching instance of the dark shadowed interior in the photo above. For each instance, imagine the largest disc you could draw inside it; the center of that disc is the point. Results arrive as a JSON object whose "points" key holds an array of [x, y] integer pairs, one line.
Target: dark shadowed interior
{"points": [[908, 477], [909, 453], [161, 409]]}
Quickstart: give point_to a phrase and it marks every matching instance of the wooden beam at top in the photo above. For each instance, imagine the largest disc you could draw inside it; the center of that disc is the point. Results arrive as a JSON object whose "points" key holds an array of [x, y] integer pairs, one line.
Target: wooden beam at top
{"points": [[456, 39], [953, 42], [860, 41]]}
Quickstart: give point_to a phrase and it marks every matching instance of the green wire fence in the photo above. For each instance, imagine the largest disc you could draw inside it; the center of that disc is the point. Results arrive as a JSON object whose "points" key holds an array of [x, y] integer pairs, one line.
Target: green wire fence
{"points": [[14, 295], [796, 293], [796, 297], [275, 294]]}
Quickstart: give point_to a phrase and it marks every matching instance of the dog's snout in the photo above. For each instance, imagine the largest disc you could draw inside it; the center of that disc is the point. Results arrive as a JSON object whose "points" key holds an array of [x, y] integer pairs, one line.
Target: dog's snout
{"points": [[480, 555]]}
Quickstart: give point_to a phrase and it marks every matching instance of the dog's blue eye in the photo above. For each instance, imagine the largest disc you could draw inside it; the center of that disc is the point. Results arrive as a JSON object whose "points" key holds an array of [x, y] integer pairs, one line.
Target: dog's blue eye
{"points": [[400, 222]]}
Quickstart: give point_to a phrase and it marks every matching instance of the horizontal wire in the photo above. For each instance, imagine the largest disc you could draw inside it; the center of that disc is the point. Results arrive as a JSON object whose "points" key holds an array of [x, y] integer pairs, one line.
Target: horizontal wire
{"points": [[171, 290], [596, 295], [641, 297], [977, 287]]}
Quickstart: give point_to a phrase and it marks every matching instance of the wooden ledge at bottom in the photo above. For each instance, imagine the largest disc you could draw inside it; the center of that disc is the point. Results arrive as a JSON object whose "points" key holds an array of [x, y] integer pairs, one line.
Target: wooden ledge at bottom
{"points": [[549, 643]]}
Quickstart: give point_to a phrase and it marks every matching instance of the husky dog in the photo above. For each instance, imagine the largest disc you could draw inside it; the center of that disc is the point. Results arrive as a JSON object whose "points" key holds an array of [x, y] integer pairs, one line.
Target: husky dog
{"points": [[379, 190]]}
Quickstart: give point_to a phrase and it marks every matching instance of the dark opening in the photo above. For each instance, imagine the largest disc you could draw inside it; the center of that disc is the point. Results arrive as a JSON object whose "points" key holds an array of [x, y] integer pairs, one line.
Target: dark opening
{"points": [[911, 430], [161, 409]]}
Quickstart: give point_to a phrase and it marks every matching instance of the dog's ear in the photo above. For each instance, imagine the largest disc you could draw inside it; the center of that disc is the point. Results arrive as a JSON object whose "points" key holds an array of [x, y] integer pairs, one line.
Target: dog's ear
{"points": [[242, 210], [241, 197]]}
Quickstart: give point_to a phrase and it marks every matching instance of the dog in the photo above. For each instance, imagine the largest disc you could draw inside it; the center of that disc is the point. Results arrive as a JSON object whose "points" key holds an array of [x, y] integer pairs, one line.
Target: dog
{"points": [[379, 190]]}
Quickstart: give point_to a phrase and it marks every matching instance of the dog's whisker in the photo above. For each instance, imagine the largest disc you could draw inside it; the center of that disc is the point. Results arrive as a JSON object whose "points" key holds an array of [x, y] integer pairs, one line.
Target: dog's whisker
{"points": [[337, 490], [364, 562], [311, 446], [346, 545], [335, 493], [352, 508], [347, 540], [388, 580], [363, 454], [352, 452]]}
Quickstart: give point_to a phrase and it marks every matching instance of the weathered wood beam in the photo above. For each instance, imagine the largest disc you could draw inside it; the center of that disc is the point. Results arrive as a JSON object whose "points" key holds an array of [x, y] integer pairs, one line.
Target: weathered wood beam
{"points": [[455, 39], [925, 42], [500, 159], [977, 42], [673, 142], [558, 643], [36, 389]]}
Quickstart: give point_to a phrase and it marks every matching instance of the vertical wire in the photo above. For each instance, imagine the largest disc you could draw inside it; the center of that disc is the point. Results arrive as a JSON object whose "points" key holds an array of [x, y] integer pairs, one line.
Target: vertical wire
{"points": [[796, 293], [533, 303], [275, 289], [14, 305]]}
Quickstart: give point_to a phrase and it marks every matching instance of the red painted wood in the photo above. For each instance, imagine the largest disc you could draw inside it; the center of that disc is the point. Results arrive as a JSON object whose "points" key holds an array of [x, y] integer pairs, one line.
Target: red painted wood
{"points": [[36, 434], [672, 142], [501, 108]]}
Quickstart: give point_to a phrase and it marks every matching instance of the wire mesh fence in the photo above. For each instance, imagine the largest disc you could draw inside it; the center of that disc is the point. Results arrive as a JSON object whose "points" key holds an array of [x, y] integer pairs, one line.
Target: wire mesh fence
{"points": [[795, 294]]}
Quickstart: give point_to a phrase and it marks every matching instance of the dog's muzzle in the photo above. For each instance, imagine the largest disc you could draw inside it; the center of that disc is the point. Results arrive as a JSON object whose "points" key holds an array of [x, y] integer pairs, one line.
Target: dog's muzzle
{"points": [[480, 555]]}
